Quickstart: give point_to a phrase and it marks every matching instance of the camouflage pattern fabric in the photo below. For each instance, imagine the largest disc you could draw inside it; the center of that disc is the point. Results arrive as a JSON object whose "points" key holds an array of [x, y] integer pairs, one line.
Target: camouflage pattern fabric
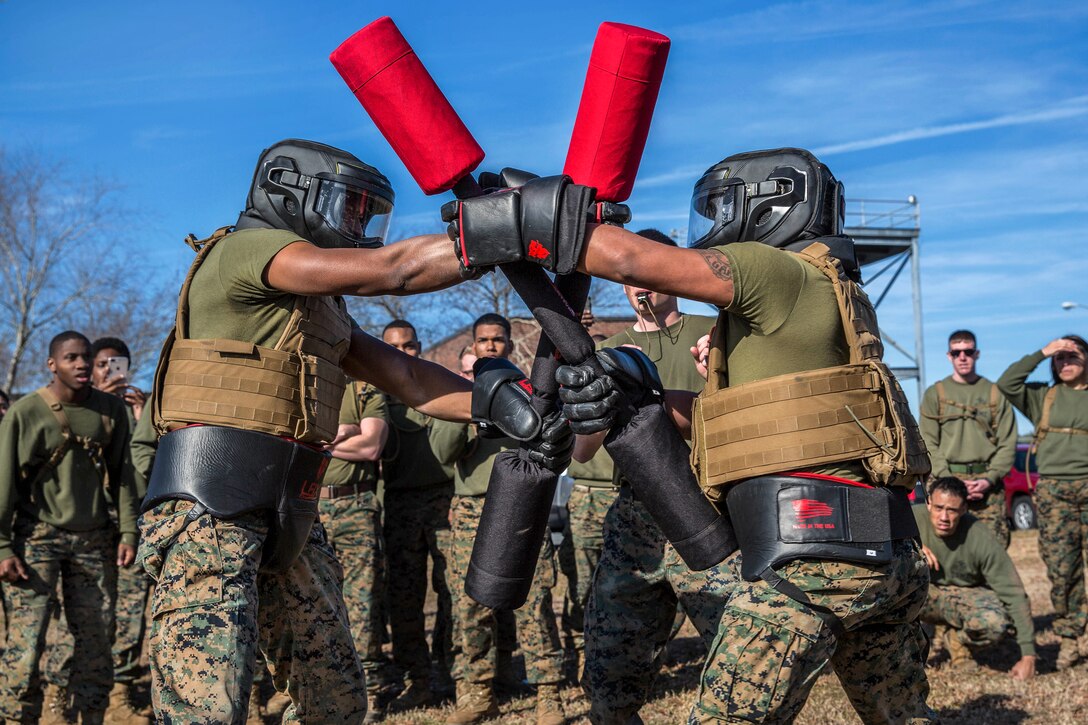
{"points": [[133, 589], [770, 649], [210, 607], [481, 635], [587, 508], [976, 613], [991, 510], [417, 527], [632, 607], [354, 527], [1063, 536], [85, 564]]}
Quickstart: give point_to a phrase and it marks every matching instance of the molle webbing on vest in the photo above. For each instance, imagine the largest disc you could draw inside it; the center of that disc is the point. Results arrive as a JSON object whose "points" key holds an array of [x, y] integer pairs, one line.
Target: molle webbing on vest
{"points": [[798, 420], [293, 389], [966, 412]]}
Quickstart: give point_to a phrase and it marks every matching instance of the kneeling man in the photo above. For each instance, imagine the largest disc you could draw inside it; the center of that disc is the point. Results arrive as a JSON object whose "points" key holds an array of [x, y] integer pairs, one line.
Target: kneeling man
{"points": [[975, 594]]}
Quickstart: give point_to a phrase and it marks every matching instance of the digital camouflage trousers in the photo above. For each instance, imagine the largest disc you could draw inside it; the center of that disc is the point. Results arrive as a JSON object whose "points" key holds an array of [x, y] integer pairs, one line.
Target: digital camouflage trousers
{"points": [[976, 613], [85, 564], [417, 527], [354, 526], [632, 607], [479, 626], [211, 610], [587, 508], [1063, 537], [770, 649]]}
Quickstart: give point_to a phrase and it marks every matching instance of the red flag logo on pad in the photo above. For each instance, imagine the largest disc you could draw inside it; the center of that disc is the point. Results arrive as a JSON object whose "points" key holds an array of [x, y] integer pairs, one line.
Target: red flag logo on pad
{"points": [[807, 508], [537, 250]]}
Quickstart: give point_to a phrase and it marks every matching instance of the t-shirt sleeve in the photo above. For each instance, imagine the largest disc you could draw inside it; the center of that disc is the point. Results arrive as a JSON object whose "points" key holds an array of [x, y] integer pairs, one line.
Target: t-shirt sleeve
{"points": [[374, 404], [766, 284], [349, 414], [243, 260]]}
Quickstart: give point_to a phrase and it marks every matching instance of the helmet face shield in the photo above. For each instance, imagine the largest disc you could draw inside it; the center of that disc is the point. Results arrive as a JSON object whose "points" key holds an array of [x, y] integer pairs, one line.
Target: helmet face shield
{"points": [[713, 208], [358, 215]]}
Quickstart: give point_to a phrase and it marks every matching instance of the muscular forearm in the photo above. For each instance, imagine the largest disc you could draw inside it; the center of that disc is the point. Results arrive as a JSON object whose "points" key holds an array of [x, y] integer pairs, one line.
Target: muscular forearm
{"points": [[426, 386], [679, 403], [586, 446], [366, 446], [621, 256], [419, 264]]}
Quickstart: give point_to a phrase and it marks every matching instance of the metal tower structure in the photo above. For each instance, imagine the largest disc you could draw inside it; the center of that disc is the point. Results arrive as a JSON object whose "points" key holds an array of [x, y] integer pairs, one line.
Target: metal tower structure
{"points": [[886, 233]]}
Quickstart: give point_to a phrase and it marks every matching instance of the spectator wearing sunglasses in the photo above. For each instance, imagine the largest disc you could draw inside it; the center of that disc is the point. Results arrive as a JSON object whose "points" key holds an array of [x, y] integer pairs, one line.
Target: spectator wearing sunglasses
{"points": [[970, 430]]}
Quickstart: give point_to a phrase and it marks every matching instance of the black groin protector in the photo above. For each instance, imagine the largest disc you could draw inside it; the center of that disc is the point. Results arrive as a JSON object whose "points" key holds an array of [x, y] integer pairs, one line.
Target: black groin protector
{"points": [[511, 532], [782, 518], [654, 460], [233, 472]]}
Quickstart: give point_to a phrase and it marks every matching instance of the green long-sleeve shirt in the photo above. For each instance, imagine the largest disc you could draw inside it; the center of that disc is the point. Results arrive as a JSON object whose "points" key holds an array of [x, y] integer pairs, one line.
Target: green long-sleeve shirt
{"points": [[1060, 455], [473, 457], [973, 557], [962, 430], [142, 448], [71, 495]]}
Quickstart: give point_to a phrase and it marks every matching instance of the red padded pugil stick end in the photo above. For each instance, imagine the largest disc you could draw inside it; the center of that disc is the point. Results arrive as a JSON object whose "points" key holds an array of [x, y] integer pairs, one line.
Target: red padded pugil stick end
{"points": [[618, 98], [388, 79]]}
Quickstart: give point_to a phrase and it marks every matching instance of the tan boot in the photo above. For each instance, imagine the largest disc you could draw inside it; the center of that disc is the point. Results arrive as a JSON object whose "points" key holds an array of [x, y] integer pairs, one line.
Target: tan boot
{"points": [[1068, 653], [57, 707], [959, 655], [375, 708], [256, 706], [417, 694], [276, 706], [549, 706], [475, 703], [122, 708]]}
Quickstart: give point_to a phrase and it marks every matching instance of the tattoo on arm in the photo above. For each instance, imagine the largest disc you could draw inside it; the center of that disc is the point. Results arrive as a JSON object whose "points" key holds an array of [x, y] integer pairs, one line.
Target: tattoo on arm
{"points": [[718, 264]]}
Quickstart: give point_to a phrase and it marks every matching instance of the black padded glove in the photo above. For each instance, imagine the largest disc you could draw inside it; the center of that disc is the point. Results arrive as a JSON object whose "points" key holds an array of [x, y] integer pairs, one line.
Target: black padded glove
{"points": [[552, 449], [594, 402], [543, 220], [501, 405]]}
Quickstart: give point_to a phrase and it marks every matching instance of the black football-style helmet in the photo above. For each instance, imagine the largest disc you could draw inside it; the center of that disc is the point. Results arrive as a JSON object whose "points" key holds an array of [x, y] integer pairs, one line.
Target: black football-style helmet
{"points": [[323, 194], [777, 197]]}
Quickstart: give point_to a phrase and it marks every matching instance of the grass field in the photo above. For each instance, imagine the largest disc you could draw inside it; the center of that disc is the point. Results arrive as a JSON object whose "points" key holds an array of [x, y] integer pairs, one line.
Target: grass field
{"points": [[982, 697]]}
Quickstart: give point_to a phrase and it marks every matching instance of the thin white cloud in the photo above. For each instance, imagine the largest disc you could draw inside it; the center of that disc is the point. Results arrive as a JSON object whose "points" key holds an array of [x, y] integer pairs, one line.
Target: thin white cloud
{"points": [[1070, 109]]}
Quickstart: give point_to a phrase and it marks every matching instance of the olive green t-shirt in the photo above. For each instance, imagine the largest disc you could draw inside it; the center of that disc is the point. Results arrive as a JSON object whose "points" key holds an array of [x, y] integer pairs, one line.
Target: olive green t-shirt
{"points": [[229, 298], [361, 400], [982, 437], [72, 495], [1060, 455], [973, 557], [472, 457], [407, 459], [670, 351], [784, 318]]}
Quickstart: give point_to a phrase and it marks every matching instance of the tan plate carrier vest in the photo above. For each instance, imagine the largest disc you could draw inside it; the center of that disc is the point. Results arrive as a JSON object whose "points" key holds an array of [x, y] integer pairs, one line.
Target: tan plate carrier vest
{"points": [[293, 389], [792, 422]]}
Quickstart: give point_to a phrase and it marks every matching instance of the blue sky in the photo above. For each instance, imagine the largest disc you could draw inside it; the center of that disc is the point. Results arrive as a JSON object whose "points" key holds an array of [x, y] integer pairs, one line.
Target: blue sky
{"points": [[977, 108]]}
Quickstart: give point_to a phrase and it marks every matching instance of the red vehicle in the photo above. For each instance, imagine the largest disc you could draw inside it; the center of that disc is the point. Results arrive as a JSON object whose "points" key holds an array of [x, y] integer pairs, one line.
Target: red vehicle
{"points": [[1019, 488]]}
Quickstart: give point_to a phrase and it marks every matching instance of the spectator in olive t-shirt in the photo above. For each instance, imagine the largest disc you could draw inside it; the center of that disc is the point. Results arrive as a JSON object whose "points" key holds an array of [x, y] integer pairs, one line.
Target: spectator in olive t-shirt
{"points": [[478, 660], [417, 508], [975, 593], [55, 525]]}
